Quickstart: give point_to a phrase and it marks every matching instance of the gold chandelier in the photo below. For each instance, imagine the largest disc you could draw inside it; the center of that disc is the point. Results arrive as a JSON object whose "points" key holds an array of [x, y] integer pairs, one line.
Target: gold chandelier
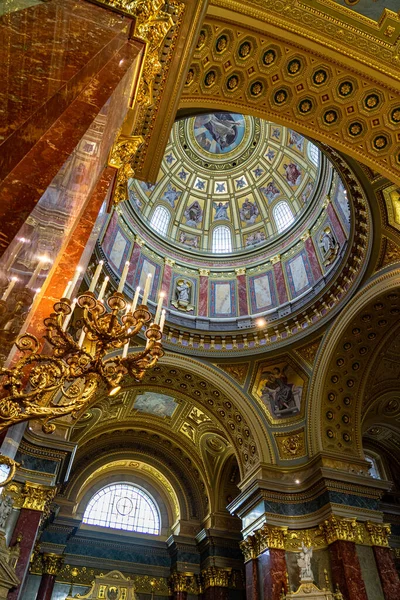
{"points": [[47, 386]]}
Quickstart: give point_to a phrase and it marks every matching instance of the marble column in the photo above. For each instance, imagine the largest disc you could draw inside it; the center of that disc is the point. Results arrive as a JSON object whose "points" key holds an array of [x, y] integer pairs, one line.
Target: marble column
{"points": [[251, 573], [215, 581], [242, 291], [52, 563], [280, 279], [274, 572], [136, 251], [390, 581], [166, 280], [337, 227], [36, 499], [203, 293], [312, 256], [346, 570]]}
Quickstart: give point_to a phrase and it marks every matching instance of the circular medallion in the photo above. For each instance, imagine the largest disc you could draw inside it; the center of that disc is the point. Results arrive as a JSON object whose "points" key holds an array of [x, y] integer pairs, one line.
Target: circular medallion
{"points": [[124, 506]]}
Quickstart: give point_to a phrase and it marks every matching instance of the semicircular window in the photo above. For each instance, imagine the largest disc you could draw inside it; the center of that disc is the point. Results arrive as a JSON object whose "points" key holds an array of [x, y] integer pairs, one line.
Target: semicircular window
{"points": [[221, 240], [283, 216], [123, 506]]}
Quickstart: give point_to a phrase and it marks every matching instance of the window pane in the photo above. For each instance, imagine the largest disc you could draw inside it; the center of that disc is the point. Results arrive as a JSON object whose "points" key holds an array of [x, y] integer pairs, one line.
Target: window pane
{"points": [[283, 216], [123, 506], [373, 467], [160, 220], [313, 153], [221, 240]]}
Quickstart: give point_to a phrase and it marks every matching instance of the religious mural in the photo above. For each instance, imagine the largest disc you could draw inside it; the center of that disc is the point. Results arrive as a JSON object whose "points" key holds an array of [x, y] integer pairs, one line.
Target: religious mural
{"points": [[219, 133], [156, 404], [280, 388]]}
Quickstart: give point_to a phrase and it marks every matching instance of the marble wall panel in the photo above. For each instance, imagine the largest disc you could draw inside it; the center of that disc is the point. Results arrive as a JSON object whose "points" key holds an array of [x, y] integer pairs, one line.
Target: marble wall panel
{"points": [[262, 292], [145, 266], [222, 299], [299, 274]]}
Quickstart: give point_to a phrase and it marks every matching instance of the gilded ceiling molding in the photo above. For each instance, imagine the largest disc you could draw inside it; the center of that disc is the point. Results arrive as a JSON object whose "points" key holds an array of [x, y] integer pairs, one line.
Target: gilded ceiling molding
{"points": [[291, 444], [237, 371], [390, 253], [322, 400], [331, 98]]}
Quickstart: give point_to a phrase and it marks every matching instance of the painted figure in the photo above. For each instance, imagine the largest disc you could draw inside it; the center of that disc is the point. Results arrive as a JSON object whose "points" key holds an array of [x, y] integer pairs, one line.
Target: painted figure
{"points": [[281, 396], [221, 211], [249, 212], [193, 214], [270, 191], [293, 173]]}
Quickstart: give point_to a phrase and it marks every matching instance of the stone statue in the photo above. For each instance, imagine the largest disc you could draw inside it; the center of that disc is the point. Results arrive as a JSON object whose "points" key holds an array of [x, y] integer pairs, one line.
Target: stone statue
{"points": [[6, 506], [183, 293], [304, 563], [329, 246]]}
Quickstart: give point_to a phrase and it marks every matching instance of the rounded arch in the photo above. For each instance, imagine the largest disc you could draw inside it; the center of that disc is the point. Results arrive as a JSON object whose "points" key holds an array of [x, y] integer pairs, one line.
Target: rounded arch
{"points": [[282, 215], [221, 239], [160, 219], [330, 386]]}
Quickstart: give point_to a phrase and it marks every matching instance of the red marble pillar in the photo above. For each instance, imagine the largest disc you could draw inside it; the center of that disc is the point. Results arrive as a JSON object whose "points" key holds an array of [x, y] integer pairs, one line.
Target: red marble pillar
{"points": [[85, 53], [216, 593], [167, 278], [203, 293], [137, 249], [346, 570], [251, 572], [280, 279], [52, 563], [242, 291], [26, 530], [312, 258], [387, 572], [338, 229], [274, 572], [180, 595]]}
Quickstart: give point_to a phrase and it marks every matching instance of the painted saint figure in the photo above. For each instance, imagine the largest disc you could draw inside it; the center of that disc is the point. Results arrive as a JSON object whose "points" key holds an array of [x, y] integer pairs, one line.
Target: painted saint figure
{"points": [[221, 211], [249, 212], [277, 393], [193, 214], [293, 173]]}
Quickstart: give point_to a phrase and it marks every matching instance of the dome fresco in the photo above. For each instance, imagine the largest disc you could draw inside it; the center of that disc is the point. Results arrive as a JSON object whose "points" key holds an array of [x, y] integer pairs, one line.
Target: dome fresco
{"points": [[228, 183]]}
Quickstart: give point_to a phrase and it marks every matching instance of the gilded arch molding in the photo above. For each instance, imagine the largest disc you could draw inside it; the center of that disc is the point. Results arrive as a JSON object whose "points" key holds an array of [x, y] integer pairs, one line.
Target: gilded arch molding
{"points": [[335, 397], [280, 76]]}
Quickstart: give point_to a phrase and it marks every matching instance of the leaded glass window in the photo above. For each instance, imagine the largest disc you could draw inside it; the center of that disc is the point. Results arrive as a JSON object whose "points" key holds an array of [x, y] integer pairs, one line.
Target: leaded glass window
{"points": [[283, 216], [221, 240], [160, 220]]}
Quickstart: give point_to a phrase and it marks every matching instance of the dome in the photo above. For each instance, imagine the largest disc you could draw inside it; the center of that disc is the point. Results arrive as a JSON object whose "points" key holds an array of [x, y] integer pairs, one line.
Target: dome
{"points": [[229, 183], [247, 231]]}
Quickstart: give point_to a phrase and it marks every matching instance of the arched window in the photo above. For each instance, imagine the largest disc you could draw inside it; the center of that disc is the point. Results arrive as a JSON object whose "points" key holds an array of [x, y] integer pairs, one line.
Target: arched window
{"points": [[123, 506], [373, 466], [313, 153], [283, 216], [160, 220], [221, 240]]}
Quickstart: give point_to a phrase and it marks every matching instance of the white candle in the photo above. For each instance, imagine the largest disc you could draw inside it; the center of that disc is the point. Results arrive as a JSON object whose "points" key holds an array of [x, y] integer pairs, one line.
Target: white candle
{"points": [[127, 309], [135, 299], [69, 316], [123, 278], [159, 307], [10, 286], [126, 347], [103, 289], [96, 276], [73, 282], [35, 273], [146, 289], [15, 253], [67, 289], [162, 320], [36, 293], [81, 338]]}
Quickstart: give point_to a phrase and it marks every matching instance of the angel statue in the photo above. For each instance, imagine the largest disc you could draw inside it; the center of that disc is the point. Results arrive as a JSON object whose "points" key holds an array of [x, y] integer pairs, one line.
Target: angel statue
{"points": [[304, 563]]}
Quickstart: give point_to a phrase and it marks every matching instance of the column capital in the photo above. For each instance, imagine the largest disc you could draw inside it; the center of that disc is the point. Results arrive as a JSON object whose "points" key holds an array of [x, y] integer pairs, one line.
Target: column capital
{"points": [[180, 582], [240, 271], [306, 235], [249, 548], [335, 528], [379, 533], [52, 563], [215, 577], [204, 272], [169, 261], [36, 496], [275, 259], [139, 241], [270, 537], [326, 201]]}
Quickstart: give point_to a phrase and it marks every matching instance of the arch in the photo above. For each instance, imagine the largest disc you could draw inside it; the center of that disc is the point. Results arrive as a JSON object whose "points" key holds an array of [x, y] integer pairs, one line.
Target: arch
{"points": [[125, 506], [221, 240], [283, 216], [160, 220], [326, 371]]}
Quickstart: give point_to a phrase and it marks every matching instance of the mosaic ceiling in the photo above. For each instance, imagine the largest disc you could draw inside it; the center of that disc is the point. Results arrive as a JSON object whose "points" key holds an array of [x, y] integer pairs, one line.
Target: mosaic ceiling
{"points": [[226, 169]]}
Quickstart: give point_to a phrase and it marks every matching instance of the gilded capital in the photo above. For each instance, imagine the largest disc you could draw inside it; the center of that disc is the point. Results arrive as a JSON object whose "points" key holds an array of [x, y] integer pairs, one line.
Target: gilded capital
{"points": [[248, 547], [204, 272], [379, 533], [169, 261], [139, 241], [37, 497], [276, 259], [305, 236], [215, 577], [335, 528], [240, 271], [52, 563], [270, 537], [121, 157], [326, 201], [179, 582]]}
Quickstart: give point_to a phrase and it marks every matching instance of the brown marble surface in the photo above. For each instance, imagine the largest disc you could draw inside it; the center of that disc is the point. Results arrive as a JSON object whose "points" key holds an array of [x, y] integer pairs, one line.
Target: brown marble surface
{"points": [[273, 569], [49, 52], [27, 526], [346, 570], [251, 572]]}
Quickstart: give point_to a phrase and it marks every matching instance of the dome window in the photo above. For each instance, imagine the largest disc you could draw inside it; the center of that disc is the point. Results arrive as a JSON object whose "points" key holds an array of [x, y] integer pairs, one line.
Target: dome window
{"points": [[283, 216], [222, 240], [160, 220]]}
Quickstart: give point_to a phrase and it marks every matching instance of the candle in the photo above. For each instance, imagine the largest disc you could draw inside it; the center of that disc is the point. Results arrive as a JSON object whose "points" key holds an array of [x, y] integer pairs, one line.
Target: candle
{"points": [[159, 307], [36, 272], [69, 316], [36, 293], [10, 286], [126, 347], [127, 309], [96, 276], [146, 289], [162, 320], [123, 278], [103, 289], [73, 282], [135, 299], [67, 289], [15, 253], [81, 338]]}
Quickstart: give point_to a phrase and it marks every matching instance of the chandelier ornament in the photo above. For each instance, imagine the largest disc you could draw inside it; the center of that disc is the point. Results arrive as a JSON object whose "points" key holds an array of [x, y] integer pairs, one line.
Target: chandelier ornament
{"points": [[46, 386]]}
